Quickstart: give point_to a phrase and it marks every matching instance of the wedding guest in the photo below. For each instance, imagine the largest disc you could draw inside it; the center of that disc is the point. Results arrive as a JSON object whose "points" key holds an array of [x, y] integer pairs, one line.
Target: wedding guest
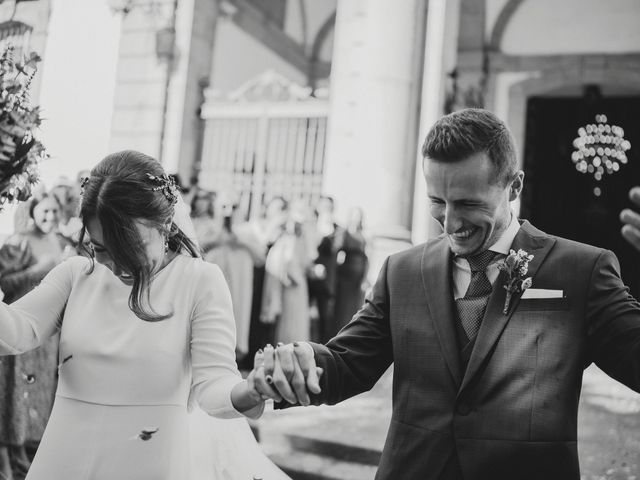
{"points": [[236, 250], [323, 279], [353, 265], [68, 196], [286, 298], [146, 330], [28, 381], [202, 211], [22, 221], [268, 229]]}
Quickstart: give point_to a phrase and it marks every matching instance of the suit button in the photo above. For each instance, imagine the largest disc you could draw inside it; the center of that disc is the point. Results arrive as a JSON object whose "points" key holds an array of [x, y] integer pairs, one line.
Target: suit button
{"points": [[463, 408]]}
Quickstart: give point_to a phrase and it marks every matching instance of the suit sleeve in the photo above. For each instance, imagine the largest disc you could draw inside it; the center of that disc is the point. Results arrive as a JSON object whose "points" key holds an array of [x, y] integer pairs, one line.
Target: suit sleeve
{"points": [[613, 317], [356, 358]]}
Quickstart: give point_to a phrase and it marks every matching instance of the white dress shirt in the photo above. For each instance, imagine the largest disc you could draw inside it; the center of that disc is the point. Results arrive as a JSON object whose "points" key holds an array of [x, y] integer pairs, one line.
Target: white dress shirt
{"points": [[462, 271]]}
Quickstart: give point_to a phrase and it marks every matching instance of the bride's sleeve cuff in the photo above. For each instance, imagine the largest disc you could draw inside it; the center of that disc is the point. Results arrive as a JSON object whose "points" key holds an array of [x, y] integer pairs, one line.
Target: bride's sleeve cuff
{"points": [[255, 412]]}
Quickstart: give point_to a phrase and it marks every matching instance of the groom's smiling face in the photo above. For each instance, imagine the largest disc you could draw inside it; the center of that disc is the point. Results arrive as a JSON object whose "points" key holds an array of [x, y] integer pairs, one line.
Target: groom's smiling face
{"points": [[470, 202]]}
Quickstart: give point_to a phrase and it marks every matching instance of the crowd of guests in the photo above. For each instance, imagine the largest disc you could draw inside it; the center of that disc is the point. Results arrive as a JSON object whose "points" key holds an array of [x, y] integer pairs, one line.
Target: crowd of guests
{"points": [[294, 273]]}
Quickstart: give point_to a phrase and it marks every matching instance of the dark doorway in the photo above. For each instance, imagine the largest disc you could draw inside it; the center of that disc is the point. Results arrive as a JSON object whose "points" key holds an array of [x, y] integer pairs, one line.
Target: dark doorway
{"points": [[560, 200]]}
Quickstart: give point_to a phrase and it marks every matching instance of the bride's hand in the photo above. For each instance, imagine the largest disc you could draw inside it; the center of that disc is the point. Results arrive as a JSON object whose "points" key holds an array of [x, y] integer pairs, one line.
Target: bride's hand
{"points": [[263, 388], [245, 396], [252, 392]]}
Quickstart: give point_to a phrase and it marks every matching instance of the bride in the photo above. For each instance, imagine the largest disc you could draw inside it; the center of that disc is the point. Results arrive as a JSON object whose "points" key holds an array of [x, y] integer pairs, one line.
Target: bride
{"points": [[146, 333]]}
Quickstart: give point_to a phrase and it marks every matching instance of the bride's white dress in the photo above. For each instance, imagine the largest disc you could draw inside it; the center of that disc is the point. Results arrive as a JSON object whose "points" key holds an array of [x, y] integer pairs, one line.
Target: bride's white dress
{"points": [[226, 450], [121, 408]]}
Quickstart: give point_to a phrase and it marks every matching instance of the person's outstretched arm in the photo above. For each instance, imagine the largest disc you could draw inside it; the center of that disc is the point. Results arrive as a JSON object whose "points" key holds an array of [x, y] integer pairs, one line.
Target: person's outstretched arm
{"points": [[26, 323]]}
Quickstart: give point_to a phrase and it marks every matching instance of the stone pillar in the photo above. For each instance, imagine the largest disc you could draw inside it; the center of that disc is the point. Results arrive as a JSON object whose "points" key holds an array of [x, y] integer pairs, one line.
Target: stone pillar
{"points": [[141, 79], [375, 78], [472, 59], [439, 60], [195, 34], [164, 63]]}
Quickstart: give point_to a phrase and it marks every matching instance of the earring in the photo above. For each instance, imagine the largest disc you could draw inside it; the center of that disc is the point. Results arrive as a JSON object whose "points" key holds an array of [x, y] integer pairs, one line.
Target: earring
{"points": [[166, 244]]}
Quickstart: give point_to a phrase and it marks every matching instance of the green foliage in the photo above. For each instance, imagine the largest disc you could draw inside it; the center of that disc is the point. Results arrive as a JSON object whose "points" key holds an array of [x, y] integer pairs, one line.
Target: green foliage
{"points": [[20, 151]]}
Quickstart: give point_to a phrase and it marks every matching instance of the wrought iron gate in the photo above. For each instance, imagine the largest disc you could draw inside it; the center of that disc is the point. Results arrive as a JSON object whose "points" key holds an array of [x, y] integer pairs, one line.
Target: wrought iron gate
{"points": [[266, 139]]}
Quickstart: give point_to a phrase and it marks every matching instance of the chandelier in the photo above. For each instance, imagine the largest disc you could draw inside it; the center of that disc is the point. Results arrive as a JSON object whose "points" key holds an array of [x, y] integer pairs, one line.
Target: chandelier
{"points": [[600, 149]]}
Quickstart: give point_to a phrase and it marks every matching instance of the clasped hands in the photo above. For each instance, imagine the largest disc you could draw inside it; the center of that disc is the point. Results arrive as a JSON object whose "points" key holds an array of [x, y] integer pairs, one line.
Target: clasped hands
{"points": [[286, 372]]}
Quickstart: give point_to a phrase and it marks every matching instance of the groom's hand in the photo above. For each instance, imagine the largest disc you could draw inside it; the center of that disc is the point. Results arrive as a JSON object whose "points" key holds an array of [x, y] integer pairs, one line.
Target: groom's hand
{"points": [[631, 220], [291, 370], [295, 373]]}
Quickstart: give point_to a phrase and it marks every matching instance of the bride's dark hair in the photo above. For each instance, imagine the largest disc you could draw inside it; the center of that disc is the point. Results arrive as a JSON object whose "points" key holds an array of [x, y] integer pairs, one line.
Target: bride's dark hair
{"points": [[118, 193]]}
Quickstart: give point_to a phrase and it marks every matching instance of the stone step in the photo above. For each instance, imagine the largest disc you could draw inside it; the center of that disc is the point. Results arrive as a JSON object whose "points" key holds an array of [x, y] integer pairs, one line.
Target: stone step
{"points": [[309, 466], [334, 449]]}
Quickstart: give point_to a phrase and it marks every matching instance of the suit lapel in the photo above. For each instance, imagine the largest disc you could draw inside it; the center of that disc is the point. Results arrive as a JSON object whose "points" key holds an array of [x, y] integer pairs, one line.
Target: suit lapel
{"points": [[436, 280], [534, 242]]}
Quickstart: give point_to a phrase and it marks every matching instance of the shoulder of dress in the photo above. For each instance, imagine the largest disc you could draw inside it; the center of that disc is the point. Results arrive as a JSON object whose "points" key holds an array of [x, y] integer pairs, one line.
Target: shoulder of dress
{"points": [[208, 283], [72, 268], [77, 263], [210, 271], [201, 270]]}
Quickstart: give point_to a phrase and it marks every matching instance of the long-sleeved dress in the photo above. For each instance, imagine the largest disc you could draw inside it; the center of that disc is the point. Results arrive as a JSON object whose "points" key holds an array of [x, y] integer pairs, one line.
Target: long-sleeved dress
{"points": [[124, 383]]}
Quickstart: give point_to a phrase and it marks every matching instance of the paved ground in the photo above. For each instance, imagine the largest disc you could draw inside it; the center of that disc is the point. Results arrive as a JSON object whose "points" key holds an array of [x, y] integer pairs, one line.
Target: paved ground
{"points": [[609, 426], [608, 429]]}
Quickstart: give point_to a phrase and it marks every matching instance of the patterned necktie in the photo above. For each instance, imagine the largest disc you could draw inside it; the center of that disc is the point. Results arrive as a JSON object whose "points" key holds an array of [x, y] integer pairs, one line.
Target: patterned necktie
{"points": [[471, 307]]}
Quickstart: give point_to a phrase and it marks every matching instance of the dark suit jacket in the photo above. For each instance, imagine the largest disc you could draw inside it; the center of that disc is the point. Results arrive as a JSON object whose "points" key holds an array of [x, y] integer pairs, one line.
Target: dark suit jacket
{"points": [[513, 413]]}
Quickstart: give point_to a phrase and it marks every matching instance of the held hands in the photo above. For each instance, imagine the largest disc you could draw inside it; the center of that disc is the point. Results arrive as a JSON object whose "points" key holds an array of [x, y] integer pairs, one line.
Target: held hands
{"points": [[631, 220], [287, 372]]}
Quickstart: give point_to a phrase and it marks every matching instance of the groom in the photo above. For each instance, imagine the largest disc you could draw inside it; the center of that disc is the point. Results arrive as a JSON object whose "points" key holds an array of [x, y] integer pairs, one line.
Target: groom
{"points": [[487, 376]]}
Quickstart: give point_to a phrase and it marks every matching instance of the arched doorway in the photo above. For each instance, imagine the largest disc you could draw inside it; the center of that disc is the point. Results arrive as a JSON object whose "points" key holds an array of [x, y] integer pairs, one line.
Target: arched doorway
{"points": [[559, 199]]}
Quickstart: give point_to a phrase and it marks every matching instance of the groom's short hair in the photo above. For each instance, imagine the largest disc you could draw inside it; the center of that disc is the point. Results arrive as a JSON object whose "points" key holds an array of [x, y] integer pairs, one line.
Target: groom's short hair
{"points": [[464, 133]]}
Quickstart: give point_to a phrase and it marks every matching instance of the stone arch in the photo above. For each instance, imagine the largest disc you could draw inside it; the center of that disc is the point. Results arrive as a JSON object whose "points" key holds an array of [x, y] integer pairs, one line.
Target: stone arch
{"points": [[550, 80], [501, 23]]}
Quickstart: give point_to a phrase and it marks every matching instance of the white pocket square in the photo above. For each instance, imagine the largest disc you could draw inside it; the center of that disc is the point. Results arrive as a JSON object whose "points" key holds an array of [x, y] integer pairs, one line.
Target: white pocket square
{"points": [[542, 293]]}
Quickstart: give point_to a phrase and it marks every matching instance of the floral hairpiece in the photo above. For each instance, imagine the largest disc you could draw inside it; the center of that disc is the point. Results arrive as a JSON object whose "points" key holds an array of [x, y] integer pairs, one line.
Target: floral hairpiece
{"points": [[167, 185]]}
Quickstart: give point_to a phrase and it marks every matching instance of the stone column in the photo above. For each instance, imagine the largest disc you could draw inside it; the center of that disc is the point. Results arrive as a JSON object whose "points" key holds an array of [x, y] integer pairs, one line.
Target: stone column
{"points": [[195, 34], [141, 79], [163, 65], [439, 60], [375, 80]]}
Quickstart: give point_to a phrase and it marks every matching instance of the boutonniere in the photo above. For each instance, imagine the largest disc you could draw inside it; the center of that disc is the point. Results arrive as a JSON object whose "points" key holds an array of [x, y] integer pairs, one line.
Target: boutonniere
{"points": [[516, 266]]}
